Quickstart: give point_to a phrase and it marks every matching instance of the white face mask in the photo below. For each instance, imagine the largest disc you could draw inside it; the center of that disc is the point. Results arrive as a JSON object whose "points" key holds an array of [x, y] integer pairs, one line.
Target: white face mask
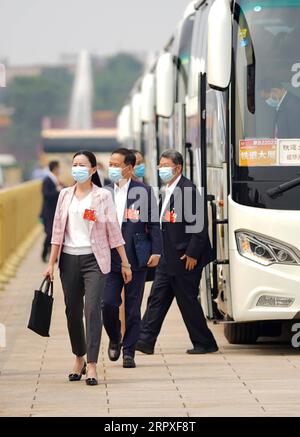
{"points": [[80, 174], [273, 103], [166, 174]]}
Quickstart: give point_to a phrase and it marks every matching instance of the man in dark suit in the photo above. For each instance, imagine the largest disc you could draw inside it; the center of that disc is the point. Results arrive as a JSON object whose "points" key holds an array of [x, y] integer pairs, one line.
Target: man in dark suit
{"points": [[186, 250], [286, 106], [50, 189], [137, 212]]}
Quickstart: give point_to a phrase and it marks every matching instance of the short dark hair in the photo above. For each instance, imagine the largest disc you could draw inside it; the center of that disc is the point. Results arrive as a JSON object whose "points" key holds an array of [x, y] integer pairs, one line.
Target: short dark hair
{"points": [[174, 155], [129, 156], [53, 165]]}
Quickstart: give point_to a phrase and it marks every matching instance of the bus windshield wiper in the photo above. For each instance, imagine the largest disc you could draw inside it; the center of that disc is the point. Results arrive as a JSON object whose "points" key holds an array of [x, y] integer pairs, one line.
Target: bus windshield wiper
{"points": [[273, 192]]}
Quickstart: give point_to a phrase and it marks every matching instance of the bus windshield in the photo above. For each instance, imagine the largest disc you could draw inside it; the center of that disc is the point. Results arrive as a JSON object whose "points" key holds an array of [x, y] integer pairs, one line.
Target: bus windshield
{"points": [[268, 82], [267, 89]]}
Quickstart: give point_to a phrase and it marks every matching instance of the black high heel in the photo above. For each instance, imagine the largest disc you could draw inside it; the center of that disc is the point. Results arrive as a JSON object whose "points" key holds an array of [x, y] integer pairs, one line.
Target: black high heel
{"points": [[75, 377], [91, 381]]}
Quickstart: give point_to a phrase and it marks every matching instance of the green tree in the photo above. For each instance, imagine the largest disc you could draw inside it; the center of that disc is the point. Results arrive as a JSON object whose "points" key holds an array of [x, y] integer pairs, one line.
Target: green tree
{"points": [[33, 98], [113, 83]]}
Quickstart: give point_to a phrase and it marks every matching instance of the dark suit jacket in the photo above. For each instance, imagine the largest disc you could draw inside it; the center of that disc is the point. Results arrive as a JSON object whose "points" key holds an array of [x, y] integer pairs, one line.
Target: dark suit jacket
{"points": [[142, 198], [288, 117], [50, 198], [177, 237]]}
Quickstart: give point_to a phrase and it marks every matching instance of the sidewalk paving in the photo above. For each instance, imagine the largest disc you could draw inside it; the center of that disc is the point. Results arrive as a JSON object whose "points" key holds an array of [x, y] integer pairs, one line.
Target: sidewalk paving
{"points": [[260, 380]]}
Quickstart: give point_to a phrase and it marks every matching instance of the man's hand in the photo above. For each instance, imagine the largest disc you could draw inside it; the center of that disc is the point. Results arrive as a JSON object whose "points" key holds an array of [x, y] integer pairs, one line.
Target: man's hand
{"points": [[153, 261], [190, 262]]}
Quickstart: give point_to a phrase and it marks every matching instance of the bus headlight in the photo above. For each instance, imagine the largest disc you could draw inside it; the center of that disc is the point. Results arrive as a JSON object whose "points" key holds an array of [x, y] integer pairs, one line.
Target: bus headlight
{"points": [[264, 250], [275, 301]]}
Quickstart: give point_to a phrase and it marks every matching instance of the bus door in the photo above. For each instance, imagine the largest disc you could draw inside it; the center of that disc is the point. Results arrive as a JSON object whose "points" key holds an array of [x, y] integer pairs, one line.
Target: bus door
{"points": [[215, 177]]}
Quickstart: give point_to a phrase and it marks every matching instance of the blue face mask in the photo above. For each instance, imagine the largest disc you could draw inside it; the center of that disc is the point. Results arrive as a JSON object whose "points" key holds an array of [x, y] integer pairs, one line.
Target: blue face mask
{"points": [[80, 174], [166, 174], [139, 170], [115, 174], [272, 102]]}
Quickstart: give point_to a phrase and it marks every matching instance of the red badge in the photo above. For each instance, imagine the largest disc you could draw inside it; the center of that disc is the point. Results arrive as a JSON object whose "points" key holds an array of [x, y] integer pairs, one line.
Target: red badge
{"points": [[132, 214], [171, 216], [89, 214]]}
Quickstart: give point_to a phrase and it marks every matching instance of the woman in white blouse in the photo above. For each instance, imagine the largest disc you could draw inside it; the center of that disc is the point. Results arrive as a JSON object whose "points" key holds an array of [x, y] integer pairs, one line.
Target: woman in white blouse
{"points": [[85, 230]]}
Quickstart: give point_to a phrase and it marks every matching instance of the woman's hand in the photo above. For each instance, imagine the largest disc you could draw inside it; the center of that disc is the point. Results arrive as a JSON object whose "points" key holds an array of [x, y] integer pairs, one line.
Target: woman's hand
{"points": [[49, 273], [127, 274]]}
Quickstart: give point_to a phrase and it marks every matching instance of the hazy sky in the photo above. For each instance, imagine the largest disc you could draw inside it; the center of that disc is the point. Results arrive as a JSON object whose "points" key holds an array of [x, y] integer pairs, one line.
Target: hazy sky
{"points": [[38, 31]]}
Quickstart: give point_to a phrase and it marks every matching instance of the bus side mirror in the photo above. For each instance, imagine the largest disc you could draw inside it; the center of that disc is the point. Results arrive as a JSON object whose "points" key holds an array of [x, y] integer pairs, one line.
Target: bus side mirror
{"points": [[148, 98], [136, 113], [124, 124], [165, 85], [219, 55]]}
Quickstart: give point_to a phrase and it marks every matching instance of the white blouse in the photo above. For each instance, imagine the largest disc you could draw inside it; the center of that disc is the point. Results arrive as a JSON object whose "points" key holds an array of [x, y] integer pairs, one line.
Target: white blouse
{"points": [[77, 236]]}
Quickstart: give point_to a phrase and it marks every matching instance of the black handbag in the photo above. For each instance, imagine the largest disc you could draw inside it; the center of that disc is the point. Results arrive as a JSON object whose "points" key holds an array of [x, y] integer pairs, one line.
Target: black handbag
{"points": [[143, 246], [41, 309]]}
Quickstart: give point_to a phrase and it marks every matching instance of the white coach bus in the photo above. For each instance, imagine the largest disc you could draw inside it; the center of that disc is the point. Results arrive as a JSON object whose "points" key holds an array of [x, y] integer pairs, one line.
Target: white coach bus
{"points": [[226, 93]]}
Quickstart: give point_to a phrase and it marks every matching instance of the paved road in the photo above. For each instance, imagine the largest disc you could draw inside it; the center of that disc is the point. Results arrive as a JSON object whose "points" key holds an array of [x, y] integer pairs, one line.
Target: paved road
{"points": [[261, 380]]}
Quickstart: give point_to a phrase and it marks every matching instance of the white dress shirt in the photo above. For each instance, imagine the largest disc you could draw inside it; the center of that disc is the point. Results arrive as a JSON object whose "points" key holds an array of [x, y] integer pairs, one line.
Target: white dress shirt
{"points": [[77, 237], [169, 190], [121, 200]]}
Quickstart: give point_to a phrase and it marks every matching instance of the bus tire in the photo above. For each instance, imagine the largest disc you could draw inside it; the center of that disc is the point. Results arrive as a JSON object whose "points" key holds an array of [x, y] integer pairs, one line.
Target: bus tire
{"points": [[241, 333]]}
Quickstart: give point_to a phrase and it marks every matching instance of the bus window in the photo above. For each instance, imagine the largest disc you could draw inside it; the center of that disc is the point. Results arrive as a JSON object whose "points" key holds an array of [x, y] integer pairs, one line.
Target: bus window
{"points": [[266, 101], [165, 134], [267, 69], [184, 56], [215, 127]]}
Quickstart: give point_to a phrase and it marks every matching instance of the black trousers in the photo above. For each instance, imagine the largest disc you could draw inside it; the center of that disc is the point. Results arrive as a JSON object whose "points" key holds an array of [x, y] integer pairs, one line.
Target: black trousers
{"points": [[48, 224], [185, 288], [133, 299], [81, 276]]}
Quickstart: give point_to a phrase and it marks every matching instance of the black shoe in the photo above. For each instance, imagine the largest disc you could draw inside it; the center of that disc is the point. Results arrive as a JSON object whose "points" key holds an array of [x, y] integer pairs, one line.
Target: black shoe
{"points": [[114, 350], [91, 381], [200, 350], [144, 347], [128, 362], [75, 376]]}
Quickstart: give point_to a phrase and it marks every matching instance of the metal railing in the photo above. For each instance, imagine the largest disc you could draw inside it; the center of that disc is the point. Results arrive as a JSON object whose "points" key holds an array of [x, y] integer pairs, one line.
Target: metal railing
{"points": [[19, 225]]}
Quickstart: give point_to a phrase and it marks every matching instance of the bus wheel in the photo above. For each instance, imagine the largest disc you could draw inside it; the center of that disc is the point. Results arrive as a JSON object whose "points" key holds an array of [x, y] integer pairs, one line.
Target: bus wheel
{"points": [[241, 333]]}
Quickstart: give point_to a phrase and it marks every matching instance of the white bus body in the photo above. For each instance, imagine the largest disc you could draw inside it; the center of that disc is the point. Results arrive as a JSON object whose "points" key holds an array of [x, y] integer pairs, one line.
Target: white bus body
{"points": [[231, 61]]}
